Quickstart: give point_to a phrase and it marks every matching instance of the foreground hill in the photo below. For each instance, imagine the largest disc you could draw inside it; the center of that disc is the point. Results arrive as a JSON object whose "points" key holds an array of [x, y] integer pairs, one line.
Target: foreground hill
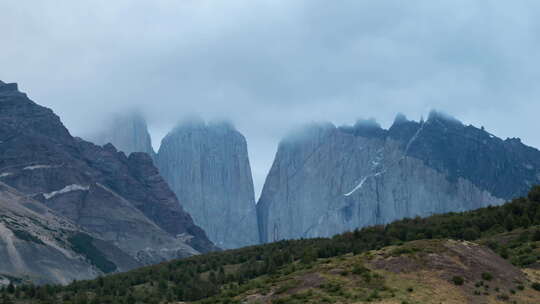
{"points": [[452, 257], [425, 271], [118, 199]]}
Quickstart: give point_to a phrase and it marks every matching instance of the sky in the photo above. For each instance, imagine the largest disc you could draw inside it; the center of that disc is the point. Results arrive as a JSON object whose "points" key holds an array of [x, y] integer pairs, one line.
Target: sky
{"points": [[269, 66]]}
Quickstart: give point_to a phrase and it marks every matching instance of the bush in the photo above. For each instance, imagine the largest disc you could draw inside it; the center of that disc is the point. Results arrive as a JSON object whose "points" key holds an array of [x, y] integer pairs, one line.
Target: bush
{"points": [[487, 276], [457, 280], [359, 269], [536, 236], [470, 234], [536, 286]]}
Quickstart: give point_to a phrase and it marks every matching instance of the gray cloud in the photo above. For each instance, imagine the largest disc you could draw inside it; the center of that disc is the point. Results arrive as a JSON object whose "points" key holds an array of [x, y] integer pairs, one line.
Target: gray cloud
{"points": [[271, 65]]}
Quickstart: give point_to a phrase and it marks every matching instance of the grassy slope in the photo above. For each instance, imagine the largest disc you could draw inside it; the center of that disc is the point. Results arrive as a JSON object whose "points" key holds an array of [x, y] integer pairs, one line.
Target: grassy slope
{"points": [[426, 271]]}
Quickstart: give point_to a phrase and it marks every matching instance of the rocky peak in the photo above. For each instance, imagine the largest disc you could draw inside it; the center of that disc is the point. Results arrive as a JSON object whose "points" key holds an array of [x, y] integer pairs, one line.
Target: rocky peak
{"points": [[369, 128], [207, 166], [127, 132], [441, 117], [6, 88], [400, 119]]}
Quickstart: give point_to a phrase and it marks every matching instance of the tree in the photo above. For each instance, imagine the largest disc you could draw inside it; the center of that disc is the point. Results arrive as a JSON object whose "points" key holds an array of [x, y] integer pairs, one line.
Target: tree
{"points": [[534, 194], [536, 236], [309, 256], [509, 222], [6, 299], [470, 234]]}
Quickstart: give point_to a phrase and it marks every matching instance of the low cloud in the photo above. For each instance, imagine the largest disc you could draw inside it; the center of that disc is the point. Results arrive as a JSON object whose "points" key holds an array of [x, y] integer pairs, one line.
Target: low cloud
{"points": [[271, 65]]}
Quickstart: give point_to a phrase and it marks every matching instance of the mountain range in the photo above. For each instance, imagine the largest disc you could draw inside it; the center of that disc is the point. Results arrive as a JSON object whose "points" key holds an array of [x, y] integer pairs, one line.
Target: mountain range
{"points": [[327, 179], [90, 209]]}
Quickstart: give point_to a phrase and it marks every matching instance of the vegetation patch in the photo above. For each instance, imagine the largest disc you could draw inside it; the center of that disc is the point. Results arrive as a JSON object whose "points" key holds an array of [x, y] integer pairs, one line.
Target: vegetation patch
{"points": [[83, 244], [26, 236]]}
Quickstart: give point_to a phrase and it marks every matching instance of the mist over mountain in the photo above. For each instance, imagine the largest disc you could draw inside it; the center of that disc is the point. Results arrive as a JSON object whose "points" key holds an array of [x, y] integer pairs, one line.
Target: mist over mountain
{"points": [[128, 132], [271, 66]]}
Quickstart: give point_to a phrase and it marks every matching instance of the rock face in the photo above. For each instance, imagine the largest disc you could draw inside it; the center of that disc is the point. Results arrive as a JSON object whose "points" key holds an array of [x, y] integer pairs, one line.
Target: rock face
{"points": [[326, 180], [119, 199], [128, 133], [207, 166], [38, 245]]}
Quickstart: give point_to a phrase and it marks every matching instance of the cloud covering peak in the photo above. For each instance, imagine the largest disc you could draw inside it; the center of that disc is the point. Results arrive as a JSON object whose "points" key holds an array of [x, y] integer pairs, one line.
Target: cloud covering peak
{"points": [[270, 65]]}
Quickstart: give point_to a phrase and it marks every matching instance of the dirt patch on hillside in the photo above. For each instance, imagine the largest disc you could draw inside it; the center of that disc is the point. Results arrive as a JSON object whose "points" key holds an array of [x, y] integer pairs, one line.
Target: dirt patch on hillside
{"points": [[474, 269], [465, 259], [307, 281]]}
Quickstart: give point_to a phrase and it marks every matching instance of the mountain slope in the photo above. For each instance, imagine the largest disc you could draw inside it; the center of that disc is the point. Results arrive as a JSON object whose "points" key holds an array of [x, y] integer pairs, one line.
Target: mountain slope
{"points": [[120, 199], [207, 166], [37, 245], [326, 180]]}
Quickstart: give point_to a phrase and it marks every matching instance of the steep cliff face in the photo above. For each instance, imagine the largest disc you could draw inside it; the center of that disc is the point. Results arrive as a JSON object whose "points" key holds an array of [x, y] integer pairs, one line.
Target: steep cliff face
{"points": [[327, 180], [119, 199], [128, 133], [207, 166]]}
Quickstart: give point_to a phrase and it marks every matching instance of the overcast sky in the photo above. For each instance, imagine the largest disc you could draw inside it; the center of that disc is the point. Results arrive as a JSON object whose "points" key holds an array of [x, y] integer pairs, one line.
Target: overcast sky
{"points": [[271, 65]]}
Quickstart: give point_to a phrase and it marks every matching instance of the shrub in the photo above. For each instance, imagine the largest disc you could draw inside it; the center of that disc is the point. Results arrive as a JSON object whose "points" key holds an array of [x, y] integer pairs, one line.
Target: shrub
{"points": [[457, 280], [536, 236], [470, 234], [487, 276], [536, 286], [359, 269], [534, 194]]}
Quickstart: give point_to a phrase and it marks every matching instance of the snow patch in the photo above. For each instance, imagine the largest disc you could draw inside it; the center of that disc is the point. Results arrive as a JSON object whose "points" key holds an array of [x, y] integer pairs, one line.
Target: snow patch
{"points": [[66, 189], [415, 136], [35, 167], [357, 186], [5, 174]]}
